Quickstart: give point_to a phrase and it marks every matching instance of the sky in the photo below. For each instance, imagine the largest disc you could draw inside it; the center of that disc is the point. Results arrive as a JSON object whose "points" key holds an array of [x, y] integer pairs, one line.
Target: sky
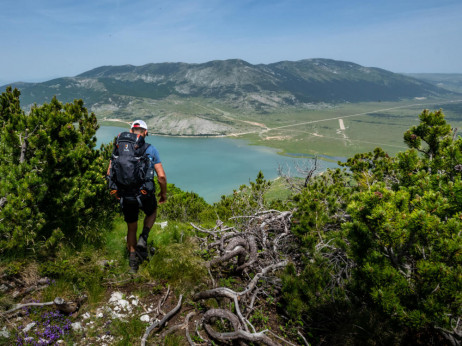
{"points": [[45, 39]]}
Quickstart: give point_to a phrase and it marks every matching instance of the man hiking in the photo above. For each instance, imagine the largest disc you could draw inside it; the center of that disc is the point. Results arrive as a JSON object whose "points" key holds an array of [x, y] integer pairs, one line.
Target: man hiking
{"points": [[131, 180]]}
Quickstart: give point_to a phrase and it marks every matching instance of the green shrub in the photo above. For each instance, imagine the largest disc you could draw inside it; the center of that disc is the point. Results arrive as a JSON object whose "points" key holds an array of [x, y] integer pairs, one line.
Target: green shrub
{"points": [[405, 234], [247, 200], [325, 271], [52, 184], [384, 241], [183, 206]]}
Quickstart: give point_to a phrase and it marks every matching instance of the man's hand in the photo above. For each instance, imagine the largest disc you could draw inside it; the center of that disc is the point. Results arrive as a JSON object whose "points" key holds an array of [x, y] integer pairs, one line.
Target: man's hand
{"points": [[162, 198], [114, 193]]}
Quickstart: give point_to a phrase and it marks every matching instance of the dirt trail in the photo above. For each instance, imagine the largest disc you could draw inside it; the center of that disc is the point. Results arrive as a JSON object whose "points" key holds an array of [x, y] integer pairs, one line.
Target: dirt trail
{"points": [[267, 129]]}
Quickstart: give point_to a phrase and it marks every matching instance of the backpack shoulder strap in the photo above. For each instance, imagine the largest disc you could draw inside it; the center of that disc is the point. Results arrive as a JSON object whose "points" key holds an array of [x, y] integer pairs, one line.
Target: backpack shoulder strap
{"points": [[146, 146]]}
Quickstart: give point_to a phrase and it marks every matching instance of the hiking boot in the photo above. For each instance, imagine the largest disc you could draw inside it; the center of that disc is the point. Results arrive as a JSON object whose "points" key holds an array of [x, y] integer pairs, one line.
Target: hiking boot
{"points": [[142, 255], [142, 243], [133, 263]]}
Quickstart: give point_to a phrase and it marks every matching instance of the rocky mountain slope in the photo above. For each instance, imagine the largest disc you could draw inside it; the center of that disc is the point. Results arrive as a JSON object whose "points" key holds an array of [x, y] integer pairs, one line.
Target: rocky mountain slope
{"points": [[166, 90]]}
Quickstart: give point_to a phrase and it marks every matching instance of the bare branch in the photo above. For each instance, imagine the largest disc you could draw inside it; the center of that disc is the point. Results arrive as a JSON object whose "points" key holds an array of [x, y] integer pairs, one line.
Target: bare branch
{"points": [[62, 305], [186, 322], [3, 201], [160, 324]]}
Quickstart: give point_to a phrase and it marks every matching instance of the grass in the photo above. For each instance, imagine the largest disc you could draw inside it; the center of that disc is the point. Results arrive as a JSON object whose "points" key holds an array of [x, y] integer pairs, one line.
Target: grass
{"points": [[176, 259], [277, 191], [128, 332], [72, 273], [174, 340], [367, 126]]}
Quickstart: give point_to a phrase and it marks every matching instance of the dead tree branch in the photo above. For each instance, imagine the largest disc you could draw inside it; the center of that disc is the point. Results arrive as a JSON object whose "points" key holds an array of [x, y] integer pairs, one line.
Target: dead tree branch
{"points": [[237, 334], [260, 244], [60, 304], [2, 202], [304, 172], [161, 323]]}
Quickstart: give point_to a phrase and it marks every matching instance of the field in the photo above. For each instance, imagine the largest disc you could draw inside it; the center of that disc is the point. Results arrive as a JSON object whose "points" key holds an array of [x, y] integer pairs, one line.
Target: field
{"points": [[346, 129]]}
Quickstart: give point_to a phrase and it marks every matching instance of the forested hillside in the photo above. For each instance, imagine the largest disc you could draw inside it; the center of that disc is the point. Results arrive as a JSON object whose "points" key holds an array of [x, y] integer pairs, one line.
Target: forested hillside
{"points": [[367, 254]]}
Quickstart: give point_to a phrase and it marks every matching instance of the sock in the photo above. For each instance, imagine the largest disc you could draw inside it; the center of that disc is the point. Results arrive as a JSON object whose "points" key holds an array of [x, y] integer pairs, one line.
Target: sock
{"points": [[145, 233]]}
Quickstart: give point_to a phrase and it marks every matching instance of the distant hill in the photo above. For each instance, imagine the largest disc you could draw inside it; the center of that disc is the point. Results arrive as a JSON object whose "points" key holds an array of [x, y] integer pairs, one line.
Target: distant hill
{"points": [[158, 90], [449, 81]]}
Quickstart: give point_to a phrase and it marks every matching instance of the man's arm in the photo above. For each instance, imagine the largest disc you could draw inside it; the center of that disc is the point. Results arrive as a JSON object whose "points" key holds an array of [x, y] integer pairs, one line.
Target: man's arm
{"points": [[112, 186], [109, 168], [162, 182]]}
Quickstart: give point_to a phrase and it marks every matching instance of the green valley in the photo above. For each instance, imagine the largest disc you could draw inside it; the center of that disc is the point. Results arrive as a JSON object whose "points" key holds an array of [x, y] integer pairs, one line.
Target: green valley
{"points": [[312, 106]]}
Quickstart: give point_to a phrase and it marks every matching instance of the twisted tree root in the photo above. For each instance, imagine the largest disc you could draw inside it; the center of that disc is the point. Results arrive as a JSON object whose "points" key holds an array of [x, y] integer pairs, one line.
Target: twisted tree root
{"points": [[160, 324], [237, 334], [262, 245]]}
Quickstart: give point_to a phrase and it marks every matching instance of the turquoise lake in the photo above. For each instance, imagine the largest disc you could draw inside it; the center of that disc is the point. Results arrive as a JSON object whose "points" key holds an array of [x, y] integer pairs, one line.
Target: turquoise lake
{"points": [[212, 167]]}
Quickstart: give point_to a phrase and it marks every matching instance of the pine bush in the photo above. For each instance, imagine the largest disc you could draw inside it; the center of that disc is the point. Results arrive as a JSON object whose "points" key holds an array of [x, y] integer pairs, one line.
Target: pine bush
{"points": [[52, 185]]}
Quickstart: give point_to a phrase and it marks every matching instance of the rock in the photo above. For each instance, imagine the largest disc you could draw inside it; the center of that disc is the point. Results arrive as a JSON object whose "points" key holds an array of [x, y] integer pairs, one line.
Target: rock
{"points": [[124, 304], [76, 326], [28, 327], [145, 318], [3, 288], [99, 315], [162, 224], [4, 333], [115, 297], [43, 281]]}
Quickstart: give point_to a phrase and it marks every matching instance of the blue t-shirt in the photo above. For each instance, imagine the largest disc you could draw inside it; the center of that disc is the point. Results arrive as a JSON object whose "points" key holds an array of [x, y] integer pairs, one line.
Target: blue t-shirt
{"points": [[153, 155]]}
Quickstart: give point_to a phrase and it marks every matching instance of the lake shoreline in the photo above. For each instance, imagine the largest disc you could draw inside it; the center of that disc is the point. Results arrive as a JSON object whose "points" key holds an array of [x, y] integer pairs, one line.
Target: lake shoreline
{"points": [[213, 167], [278, 151]]}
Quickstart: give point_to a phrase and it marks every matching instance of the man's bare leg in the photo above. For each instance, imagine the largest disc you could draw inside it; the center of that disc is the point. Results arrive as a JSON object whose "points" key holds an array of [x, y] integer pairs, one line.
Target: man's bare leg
{"points": [[148, 223], [131, 235], [131, 243]]}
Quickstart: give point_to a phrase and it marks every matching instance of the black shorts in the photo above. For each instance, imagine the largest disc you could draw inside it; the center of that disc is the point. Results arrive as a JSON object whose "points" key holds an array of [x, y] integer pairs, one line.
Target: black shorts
{"points": [[131, 207]]}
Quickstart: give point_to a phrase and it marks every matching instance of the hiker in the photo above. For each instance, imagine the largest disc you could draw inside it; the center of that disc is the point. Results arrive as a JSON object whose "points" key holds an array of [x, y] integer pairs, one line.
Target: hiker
{"points": [[131, 180]]}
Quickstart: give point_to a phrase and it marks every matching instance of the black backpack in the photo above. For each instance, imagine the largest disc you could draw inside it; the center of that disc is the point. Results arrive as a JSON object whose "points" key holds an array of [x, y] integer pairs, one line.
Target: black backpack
{"points": [[130, 173]]}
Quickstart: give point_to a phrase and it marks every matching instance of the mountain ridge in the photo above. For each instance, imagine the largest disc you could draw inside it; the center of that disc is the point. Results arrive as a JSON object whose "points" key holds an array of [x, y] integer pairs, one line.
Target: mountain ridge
{"points": [[129, 91], [309, 80]]}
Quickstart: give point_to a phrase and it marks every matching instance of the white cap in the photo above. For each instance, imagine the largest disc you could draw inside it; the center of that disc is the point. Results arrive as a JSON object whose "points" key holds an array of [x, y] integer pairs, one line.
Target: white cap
{"points": [[139, 124]]}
